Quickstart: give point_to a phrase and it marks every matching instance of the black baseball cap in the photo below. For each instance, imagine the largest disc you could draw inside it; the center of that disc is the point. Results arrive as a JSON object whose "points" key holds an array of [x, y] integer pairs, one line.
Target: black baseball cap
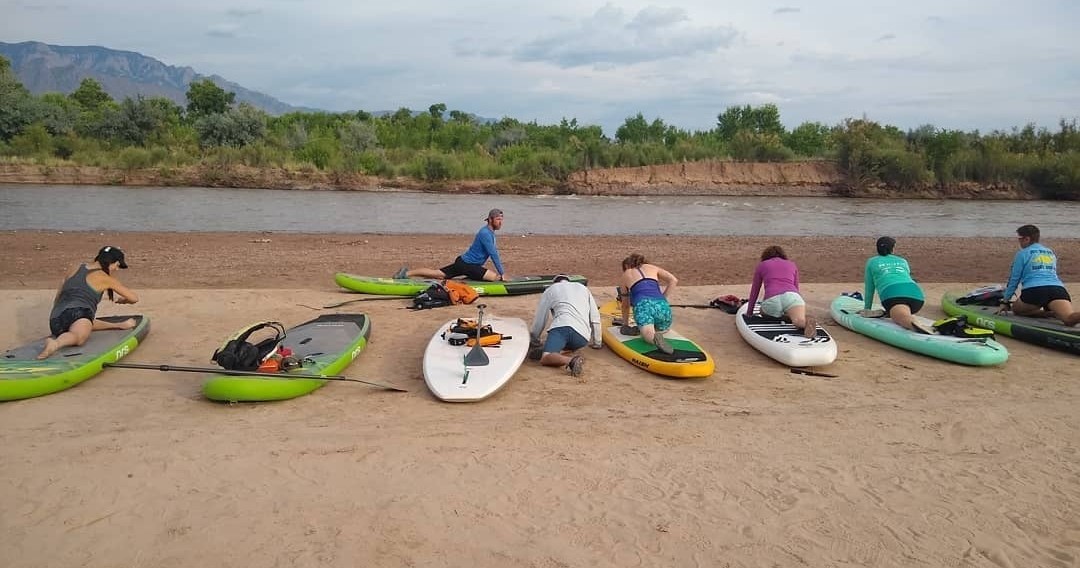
{"points": [[110, 254], [560, 278]]}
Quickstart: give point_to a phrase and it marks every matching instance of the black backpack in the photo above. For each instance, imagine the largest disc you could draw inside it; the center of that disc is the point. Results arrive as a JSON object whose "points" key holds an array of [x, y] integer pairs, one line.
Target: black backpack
{"points": [[238, 354], [436, 296]]}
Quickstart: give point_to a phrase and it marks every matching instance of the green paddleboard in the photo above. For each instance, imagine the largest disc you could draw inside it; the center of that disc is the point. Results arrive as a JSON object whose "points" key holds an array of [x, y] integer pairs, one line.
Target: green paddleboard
{"points": [[411, 287], [23, 376], [326, 344]]}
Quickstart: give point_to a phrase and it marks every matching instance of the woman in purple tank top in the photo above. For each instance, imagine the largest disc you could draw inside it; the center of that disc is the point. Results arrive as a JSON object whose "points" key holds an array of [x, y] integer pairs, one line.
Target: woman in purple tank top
{"points": [[74, 310], [646, 287]]}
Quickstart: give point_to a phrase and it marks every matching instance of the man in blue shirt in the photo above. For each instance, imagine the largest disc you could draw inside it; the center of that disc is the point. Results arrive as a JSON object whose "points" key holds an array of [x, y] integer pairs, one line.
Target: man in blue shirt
{"points": [[471, 263], [1034, 271]]}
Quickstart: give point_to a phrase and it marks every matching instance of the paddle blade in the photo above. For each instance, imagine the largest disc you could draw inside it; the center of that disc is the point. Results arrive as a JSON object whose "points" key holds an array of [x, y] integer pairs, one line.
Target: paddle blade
{"points": [[476, 357]]}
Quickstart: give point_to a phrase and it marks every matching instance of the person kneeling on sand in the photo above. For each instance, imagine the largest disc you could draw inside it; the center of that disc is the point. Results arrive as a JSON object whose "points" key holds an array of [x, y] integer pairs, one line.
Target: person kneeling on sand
{"points": [[1034, 270], [75, 306], [781, 279], [470, 263], [890, 276], [575, 322], [646, 287]]}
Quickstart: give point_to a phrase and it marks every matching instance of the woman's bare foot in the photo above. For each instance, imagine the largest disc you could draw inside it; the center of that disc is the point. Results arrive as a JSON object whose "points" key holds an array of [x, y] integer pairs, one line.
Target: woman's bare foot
{"points": [[810, 329], [51, 345], [127, 324]]}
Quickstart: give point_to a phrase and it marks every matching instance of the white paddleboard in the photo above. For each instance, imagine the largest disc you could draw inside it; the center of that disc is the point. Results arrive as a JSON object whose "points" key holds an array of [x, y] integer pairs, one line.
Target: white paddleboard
{"points": [[783, 341], [451, 380]]}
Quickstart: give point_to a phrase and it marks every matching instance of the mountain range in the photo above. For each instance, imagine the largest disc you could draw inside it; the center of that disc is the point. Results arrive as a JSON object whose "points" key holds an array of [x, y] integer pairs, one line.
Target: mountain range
{"points": [[43, 68]]}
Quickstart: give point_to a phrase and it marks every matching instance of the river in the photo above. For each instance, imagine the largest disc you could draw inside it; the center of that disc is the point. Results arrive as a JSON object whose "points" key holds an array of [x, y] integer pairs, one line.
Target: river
{"points": [[120, 208]]}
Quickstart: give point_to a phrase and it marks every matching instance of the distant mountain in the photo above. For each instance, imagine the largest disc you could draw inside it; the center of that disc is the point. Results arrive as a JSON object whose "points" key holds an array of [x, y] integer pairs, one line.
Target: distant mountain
{"points": [[46, 68]]}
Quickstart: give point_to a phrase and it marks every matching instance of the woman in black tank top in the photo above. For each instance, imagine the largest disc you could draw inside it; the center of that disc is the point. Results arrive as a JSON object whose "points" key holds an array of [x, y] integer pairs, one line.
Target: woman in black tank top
{"points": [[74, 310]]}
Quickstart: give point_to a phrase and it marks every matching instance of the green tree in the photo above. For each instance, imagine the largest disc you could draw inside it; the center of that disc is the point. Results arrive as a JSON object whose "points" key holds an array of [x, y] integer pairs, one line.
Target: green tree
{"points": [[135, 121], [764, 119], [236, 128], [58, 113], [436, 111], [357, 137], [205, 97], [17, 108], [35, 140], [809, 139], [90, 95]]}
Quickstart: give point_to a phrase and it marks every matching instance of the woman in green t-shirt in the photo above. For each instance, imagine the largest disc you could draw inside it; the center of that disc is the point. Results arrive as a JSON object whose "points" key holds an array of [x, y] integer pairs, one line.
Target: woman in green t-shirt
{"points": [[890, 276]]}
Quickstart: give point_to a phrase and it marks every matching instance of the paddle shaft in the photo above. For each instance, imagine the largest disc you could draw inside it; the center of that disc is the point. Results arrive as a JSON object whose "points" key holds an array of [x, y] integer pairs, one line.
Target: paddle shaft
{"points": [[233, 373], [339, 304]]}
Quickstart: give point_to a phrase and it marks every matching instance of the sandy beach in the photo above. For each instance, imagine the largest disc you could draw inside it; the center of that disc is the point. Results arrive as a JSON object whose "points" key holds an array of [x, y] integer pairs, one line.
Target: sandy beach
{"points": [[901, 460]]}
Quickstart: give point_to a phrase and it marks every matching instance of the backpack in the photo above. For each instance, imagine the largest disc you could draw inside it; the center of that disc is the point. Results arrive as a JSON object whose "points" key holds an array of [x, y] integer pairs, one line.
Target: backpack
{"points": [[460, 293], [465, 332], [985, 296], [238, 354], [445, 293], [435, 296], [958, 326]]}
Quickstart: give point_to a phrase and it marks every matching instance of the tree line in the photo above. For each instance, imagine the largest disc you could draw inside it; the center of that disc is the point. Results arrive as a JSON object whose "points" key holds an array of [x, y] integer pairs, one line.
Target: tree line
{"points": [[88, 127]]}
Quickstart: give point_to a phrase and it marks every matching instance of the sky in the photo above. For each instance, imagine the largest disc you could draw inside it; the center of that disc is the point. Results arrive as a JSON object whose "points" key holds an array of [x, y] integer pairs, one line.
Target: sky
{"points": [[958, 64]]}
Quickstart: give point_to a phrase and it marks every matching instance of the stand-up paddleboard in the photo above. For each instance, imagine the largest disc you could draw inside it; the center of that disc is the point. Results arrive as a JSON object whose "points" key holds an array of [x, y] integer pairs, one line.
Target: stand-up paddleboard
{"points": [[460, 373], [966, 351], [410, 287], [1048, 332], [688, 361], [783, 341], [23, 376], [325, 345]]}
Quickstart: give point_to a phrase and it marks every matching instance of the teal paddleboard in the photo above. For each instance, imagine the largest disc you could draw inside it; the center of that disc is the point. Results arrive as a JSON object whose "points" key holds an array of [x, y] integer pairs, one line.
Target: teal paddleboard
{"points": [[966, 351]]}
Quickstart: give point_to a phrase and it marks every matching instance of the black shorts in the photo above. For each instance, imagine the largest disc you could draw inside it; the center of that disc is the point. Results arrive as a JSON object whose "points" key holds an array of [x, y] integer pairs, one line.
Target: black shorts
{"points": [[912, 303], [1042, 295], [61, 323], [462, 268]]}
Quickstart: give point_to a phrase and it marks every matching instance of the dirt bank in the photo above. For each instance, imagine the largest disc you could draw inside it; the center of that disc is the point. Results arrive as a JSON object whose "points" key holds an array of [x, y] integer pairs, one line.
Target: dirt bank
{"points": [[791, 179]]}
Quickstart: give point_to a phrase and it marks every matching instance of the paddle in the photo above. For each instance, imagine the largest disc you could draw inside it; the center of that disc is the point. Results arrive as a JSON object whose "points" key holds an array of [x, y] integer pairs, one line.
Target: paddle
{"points": [[375, 299], [812, 373], [249, 374], [476, 356], [728, 304]]}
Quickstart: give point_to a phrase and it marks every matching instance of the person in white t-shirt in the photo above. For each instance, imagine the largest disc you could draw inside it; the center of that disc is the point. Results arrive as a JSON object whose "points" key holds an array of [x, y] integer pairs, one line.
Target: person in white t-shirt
{"points": [[575, 323]]}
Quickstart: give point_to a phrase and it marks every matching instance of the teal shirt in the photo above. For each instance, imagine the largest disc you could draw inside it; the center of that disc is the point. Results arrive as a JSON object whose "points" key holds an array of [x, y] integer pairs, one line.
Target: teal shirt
{"points": [[890, 276]]}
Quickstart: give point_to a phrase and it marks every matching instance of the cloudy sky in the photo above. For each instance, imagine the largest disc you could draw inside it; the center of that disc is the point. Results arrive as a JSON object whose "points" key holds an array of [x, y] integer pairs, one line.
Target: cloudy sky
{"points": [[966, 64]]}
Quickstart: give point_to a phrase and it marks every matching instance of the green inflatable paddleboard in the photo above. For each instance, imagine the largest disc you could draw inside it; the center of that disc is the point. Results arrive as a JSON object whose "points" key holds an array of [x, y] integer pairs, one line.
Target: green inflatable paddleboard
{"points": [[23, 376], [326, 345]]}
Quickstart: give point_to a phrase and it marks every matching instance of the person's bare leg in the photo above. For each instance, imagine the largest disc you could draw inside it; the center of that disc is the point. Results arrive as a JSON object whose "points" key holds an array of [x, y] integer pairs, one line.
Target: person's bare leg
{"points": [[554, 359], [1063, 310], [797, 315], [102, 325], [1028, 310], [77, 334], [491, 275], [901, 314], [803, 320], [425, 273]]}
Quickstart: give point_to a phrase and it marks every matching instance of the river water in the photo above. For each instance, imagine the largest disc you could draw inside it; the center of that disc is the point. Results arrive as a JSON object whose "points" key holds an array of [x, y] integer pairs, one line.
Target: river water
{"points": [[114, 208]]}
